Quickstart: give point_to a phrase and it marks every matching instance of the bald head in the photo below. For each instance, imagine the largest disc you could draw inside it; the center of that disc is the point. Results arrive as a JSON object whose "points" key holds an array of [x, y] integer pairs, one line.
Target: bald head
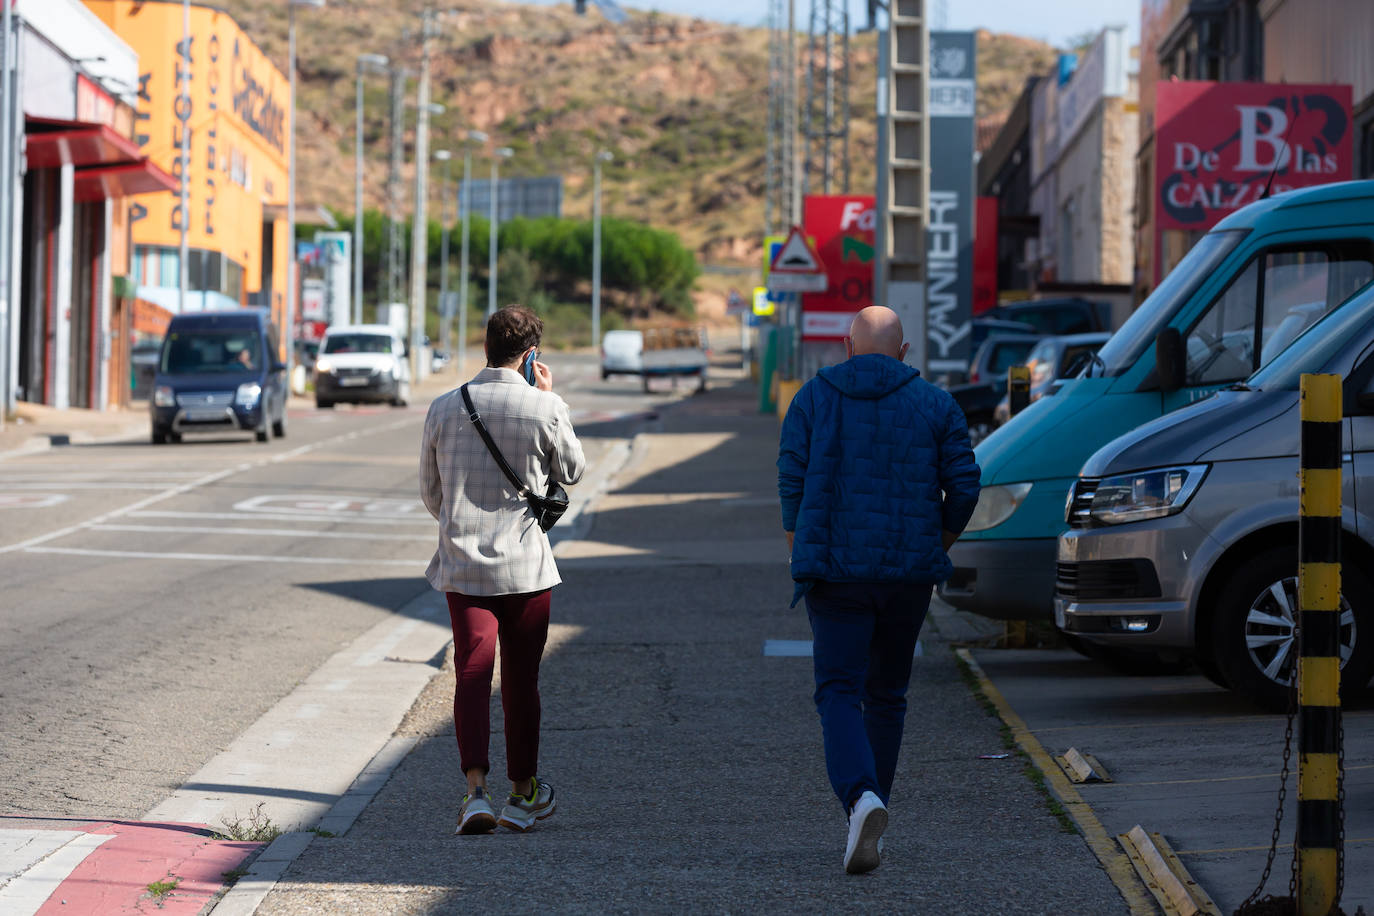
{"points": [[877, 329]]}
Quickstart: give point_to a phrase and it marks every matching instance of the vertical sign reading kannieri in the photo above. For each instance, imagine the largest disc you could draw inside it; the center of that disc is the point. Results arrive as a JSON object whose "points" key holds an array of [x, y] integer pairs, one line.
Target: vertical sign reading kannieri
{"points": [[949, 232]]}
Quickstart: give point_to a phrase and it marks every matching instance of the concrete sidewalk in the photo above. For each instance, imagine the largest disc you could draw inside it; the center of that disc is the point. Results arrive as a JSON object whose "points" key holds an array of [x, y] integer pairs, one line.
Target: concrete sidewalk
{"points": [[687, 761]]}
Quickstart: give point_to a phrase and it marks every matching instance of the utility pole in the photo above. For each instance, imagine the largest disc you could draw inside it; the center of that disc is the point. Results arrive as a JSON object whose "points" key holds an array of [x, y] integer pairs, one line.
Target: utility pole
{"points": [[395, 190], [775, 172], [8, 326], [903, 170], [465, 201], [445, 315], [602, 156], [419, 243]]}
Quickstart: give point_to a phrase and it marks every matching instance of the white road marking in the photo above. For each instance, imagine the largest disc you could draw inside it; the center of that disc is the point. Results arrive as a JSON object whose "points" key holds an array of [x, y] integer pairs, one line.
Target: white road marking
{"points": [[80, 485], [200, 482], [114, 471], [26, 893], [339, 685], [309, 711], [267, 517], [417, 564], [31, 500], [343, 504], [261, 532]]}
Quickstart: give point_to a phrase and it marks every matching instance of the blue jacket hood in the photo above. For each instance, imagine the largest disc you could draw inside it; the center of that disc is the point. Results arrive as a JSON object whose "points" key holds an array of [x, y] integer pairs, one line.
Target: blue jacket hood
{"points": [[870, 376]]}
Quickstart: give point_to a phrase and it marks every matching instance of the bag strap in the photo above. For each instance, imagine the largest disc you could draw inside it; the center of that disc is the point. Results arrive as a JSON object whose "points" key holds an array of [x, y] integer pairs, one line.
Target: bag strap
{"points": [[481, 428]]}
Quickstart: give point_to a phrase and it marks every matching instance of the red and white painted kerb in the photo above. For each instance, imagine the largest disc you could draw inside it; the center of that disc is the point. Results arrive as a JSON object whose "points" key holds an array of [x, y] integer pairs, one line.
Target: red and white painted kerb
{"points": [[76, 868]]}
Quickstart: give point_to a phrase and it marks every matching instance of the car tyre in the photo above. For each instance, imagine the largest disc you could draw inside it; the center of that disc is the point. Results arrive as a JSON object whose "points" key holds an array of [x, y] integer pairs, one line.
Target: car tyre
{"points": [[159, 436], [322, 404], [605, 375], [1249, 598]]}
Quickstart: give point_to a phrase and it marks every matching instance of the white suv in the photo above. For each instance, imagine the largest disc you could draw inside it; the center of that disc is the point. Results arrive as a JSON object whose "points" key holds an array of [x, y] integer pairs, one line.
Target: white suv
{"points": [[362, 362]]}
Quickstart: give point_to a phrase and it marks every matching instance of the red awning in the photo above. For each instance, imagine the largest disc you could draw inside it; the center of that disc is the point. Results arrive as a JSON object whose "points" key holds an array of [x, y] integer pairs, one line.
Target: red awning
{"points": [[80, 144], [124, 179]]}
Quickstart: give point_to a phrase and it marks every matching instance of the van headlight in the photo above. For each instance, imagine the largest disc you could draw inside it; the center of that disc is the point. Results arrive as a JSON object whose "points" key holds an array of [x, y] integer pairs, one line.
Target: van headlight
{"points": [[1140, 495], [164, 396], [323, 366], [996, 504], [248, 394]]}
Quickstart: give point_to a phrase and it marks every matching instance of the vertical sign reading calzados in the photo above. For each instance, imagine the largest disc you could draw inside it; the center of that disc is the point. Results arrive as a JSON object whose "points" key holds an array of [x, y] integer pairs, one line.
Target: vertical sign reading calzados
{"points": [[949, 233]]}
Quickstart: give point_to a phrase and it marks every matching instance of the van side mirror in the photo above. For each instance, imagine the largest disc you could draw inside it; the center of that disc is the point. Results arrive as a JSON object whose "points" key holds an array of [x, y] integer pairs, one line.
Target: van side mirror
{"points": [[1170, 360]]}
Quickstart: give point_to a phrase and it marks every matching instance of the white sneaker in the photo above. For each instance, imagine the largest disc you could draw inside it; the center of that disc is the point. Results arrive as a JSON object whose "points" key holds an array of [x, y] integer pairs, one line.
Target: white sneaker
{"points": [[867, 822], [476, 814]]}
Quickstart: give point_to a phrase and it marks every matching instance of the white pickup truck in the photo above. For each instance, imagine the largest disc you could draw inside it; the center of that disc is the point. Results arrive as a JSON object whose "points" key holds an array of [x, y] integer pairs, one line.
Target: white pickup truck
{"points": [[674, 352]]}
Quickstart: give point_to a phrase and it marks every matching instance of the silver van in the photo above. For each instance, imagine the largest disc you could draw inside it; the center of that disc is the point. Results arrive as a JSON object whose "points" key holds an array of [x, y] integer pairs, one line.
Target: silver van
{"points": [[1183, 537]]}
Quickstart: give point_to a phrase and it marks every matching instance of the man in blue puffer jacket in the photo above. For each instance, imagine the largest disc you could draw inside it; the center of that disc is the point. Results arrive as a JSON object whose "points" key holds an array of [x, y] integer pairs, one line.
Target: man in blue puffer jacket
{"points": [[877, 480]]}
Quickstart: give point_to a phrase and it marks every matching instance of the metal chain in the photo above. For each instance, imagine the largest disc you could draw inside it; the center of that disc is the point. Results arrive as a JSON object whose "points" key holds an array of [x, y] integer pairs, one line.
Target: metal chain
{"points": [[1278, 812], [1340, 812]]}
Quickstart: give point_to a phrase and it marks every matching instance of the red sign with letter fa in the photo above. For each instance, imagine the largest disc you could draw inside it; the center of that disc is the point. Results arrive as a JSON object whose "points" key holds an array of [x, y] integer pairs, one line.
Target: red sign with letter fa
{"points": [[1218, 145], [843, 227]]}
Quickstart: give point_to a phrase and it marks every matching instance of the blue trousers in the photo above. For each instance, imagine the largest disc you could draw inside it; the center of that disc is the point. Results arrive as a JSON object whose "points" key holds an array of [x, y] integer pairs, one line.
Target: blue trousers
{"points": [[865, 636]]}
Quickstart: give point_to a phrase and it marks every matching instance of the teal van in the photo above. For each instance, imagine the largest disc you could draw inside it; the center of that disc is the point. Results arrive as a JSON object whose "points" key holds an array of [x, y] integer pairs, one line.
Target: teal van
{"points": [[1244, 292]]}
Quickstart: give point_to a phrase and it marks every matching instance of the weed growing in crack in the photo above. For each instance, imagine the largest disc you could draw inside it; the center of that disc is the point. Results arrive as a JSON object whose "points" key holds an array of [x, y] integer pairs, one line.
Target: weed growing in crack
{"points": [[257, 827], [160, 889]]}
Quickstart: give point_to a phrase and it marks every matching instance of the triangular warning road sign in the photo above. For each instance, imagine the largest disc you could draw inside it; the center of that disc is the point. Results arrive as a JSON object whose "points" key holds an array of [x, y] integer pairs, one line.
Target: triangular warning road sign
{"points": [[796, 256]]}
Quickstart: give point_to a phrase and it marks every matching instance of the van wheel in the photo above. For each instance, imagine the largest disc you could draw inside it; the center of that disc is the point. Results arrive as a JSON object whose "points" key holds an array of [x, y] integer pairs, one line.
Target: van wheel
{"points": [[1254, 636], [322, 404], [159, 436]]}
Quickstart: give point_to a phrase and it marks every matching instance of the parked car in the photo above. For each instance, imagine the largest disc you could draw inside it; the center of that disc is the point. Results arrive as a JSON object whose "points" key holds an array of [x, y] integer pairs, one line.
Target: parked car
{"points": [[219, 371], [1242, 279], [983, 328], [622, 353], [988, 380], [1050, 362], [1183, 534], [362, 363], [143, 359], [1056, 316]]}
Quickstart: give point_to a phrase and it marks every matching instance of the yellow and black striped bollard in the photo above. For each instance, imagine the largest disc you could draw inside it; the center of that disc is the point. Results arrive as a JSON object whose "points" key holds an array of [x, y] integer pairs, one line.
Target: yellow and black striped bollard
{"points": [[1319, 663]]}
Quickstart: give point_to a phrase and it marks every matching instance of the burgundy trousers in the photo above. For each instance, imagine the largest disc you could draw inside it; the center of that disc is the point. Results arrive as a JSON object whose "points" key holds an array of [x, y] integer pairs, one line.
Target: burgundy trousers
{"points": [[521, 624]]}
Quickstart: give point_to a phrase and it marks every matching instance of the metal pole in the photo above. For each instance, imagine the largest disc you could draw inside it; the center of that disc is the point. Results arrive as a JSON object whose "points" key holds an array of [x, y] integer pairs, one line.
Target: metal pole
{"points": [[291, 282], [491, 242], [444, 313], [6, 209], [596, 252], [1320, 839], [358, 206], [419, 246], [464, 201], [184, 253]]}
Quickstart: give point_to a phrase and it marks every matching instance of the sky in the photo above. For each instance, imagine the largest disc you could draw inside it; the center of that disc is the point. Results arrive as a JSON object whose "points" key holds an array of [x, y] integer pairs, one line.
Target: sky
{"points": [[1054, 21]]}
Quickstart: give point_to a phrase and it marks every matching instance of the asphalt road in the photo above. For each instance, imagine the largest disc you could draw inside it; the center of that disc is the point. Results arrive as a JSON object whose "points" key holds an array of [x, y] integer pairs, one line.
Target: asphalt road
{"points": [[157, 600]]}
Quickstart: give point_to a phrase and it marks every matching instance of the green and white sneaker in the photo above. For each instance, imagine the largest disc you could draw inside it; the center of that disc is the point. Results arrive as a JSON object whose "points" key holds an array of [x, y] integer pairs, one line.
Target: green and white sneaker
{"points": [[521, 812], [476, 814]]}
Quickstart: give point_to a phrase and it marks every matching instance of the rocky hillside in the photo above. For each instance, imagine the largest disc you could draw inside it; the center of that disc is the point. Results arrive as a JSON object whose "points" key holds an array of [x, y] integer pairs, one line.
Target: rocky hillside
{"points": [[680, 102]]}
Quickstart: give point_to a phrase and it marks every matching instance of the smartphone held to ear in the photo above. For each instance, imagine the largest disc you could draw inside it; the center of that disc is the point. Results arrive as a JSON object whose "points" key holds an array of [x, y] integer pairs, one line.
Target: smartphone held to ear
{"points": [[527, 368]]}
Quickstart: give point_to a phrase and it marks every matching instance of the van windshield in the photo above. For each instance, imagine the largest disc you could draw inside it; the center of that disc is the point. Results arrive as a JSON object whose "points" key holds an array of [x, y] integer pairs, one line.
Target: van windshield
{"points": [[357, 343], [1121, 352], [1316, 346], [211, 350]]}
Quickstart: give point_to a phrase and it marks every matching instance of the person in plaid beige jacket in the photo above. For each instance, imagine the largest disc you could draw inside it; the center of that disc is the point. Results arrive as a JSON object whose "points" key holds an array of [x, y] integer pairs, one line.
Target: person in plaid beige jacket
{"points": [[494, 563]]}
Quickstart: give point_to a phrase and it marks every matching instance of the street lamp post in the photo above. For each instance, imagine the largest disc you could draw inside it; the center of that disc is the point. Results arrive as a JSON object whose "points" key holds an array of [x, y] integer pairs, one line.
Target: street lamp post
{"points": [[374, 62], [603, 156], [465, 200], [504, 152], [445, 316], [292, 284]]}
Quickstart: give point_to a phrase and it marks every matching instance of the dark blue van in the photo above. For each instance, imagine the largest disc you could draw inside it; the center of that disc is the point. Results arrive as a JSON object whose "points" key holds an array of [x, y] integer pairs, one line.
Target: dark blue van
{"points": [[219, 371]]}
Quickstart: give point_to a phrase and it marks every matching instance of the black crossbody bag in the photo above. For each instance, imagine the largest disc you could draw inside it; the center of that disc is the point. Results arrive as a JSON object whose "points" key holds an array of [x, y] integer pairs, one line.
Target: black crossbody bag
{"points": [[549, 508]]}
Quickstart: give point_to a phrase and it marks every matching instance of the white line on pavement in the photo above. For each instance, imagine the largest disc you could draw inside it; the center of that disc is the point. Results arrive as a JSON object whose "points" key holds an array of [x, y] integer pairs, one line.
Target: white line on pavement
{"points": [[283, 517], [266, 532], [26, 893], [200, 482], [80, 485], [417, 564]]}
